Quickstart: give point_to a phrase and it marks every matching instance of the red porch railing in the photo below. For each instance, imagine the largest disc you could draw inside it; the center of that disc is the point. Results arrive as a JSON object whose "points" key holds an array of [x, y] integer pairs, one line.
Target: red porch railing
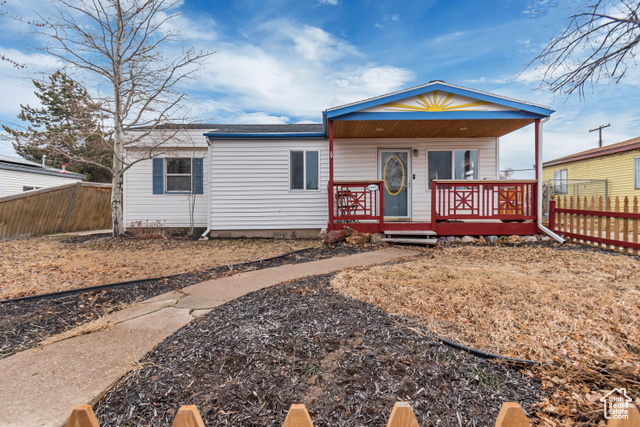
{"points": [[513, 200], [360, 201]]}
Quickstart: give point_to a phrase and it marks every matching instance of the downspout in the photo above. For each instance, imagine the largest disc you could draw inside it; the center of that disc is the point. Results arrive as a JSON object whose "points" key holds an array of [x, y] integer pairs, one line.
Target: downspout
{"points": [[205, 235], [551, 234]]}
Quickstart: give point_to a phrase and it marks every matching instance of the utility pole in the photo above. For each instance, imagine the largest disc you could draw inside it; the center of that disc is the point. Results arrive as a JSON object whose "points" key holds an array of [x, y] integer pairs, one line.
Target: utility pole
{"points": [[599, 129]]}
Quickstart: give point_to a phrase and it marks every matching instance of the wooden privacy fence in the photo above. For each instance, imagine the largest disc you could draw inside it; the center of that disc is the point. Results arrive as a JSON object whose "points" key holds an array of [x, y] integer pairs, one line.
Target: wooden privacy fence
{"points": [[613, 225], [70, 207], [511, 415]]}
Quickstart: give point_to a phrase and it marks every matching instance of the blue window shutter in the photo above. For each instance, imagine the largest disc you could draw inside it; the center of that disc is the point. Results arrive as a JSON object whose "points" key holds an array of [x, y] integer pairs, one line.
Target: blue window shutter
{"points": [[158, 176], [197, 167]]}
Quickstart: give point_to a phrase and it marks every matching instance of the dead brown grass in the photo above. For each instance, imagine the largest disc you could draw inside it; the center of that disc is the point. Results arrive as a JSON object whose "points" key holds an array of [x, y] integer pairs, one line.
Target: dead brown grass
{"points": [[45, 264], [578, 310], [86, 328]]}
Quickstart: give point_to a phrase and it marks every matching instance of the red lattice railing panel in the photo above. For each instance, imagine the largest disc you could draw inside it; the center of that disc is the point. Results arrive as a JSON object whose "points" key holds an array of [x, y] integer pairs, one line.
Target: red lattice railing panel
{"points": [[357, 201], [469, 200]]}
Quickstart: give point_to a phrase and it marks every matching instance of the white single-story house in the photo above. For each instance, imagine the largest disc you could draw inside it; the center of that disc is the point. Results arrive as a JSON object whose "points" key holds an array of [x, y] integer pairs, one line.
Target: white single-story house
{"points": [[18, 175], [421, 159]]}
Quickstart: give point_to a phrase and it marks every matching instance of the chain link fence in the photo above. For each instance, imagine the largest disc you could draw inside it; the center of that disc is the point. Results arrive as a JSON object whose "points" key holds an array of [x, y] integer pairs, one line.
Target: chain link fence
{"points": [[573, 187]]}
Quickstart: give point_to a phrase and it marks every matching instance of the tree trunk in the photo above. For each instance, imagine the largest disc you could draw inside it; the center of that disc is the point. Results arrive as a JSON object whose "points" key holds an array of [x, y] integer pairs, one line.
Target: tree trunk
{"points": [[117, 217], [118, 135]]}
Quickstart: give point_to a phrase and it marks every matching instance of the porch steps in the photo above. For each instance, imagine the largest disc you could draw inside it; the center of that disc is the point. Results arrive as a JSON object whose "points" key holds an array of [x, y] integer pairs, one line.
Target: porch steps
{"points": [[411, 237], [410, 232], [411, 241]]}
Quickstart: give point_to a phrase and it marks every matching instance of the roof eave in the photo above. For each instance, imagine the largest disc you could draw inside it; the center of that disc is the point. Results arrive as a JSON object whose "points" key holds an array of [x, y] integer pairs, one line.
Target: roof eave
{"points": [[301, 135], [27, 169], [578, 156], [336, 112]]}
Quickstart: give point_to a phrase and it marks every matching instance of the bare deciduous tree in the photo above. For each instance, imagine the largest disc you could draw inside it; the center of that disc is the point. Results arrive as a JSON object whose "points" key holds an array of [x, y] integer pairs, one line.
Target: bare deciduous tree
{"points": [[599, 43], [121, 48], [507, 173]]}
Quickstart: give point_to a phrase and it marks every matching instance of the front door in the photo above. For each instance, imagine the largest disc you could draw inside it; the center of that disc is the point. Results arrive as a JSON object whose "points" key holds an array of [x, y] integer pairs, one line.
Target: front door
{"points": [[394, 170]]}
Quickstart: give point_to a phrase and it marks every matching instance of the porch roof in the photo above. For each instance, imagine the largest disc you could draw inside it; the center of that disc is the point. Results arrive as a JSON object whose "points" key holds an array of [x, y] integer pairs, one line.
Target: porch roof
{"points": [[434, 110]]}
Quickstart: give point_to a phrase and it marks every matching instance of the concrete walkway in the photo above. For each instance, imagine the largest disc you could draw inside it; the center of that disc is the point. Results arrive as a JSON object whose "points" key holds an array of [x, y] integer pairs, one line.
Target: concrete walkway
{"points": [[41, 386]]}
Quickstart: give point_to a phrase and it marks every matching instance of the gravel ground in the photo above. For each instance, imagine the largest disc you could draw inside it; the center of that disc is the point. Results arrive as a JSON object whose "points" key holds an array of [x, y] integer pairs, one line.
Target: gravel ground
{"points": [[247, 361], [25, 324]]}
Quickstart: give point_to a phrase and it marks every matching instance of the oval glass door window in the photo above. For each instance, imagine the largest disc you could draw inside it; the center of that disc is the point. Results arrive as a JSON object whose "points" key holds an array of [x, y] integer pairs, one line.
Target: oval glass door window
{"points": [[394, 175]]}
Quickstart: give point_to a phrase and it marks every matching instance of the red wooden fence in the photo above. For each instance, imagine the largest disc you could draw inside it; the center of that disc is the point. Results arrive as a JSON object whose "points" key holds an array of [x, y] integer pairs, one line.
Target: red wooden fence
{"points": [[613, 225], [511, 415]]}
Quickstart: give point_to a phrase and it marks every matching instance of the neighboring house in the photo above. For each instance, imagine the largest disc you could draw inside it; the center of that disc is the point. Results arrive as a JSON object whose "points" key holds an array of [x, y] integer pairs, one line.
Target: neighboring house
{"points": [[381, 163], [618, 164], [18, 175]]}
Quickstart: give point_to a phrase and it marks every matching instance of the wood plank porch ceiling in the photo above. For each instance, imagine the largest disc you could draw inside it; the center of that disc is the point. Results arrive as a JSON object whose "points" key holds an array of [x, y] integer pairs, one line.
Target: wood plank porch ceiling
{"points": [[426, 128]]}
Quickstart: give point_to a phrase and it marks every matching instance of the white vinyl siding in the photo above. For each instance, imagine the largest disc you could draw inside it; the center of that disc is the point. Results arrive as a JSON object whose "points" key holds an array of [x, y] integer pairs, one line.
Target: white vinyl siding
{"points": [[140, 204], [14, 182], [251, 186], [357, 160]]}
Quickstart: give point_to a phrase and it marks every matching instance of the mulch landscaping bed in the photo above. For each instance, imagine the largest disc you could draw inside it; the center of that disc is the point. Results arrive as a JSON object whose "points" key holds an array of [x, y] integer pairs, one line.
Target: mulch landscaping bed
{"points": [[25, 324], [247, 361]]}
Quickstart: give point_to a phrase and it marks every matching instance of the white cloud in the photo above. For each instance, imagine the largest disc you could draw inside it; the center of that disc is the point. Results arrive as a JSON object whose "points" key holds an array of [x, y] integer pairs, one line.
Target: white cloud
{"points": [[329, 2], [394, 17], [293, 82], [200, 28], [316, 44], [378, 25], [282, 72]]}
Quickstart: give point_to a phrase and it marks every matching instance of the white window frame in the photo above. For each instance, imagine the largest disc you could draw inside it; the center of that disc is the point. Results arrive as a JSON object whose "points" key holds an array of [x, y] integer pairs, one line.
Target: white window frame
{"points": [[30, 188], [304, 170], [563, 186], [636, 172], [453, 163], [167, 175]]}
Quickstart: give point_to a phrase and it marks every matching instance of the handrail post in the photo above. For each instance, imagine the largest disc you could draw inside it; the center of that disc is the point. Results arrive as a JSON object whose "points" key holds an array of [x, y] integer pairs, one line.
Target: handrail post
{"points": [[331, 225], [381, 213], [552, 214], [434, 186]]}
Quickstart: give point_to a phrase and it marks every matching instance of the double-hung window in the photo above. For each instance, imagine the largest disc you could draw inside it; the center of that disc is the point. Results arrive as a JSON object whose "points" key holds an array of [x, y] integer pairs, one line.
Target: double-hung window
{"points": [[636, 172], [457, 164], [560, 181], [304, 170], [178, 175]]}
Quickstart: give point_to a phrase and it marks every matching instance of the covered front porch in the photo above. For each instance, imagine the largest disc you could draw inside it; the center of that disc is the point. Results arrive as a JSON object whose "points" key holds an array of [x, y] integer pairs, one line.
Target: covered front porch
{"points": [[425, 161]]}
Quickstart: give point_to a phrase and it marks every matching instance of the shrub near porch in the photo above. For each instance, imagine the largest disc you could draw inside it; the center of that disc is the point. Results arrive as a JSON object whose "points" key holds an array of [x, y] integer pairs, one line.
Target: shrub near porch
{"points": [[576, 309]]}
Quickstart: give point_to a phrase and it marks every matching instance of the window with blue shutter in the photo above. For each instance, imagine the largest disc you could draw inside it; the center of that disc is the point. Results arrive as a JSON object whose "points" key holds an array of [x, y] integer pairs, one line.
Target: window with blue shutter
{"points": [[158, 176], [178, 175]]}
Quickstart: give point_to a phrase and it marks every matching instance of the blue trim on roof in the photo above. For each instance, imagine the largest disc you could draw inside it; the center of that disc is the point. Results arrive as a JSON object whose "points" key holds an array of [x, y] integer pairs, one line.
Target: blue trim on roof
{"points": [[442, 115], [290, 135], [540, 111]]}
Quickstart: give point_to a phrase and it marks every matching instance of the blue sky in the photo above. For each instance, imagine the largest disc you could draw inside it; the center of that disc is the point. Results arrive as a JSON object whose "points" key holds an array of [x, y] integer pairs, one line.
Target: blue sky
{"points": [[284, 61]]}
